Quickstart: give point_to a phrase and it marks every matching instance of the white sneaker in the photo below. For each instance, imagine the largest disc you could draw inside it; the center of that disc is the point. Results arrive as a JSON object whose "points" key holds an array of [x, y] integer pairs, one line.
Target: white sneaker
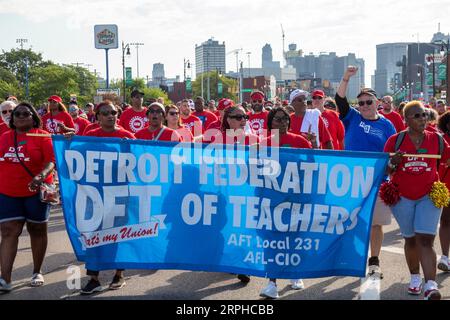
{"points": [[297, 284], [431, 291], [415, 285], [375, 271], [443, 264], [270, 291]]}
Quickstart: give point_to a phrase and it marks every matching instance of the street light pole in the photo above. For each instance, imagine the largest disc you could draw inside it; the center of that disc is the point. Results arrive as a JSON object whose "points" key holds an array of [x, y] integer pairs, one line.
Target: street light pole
{"points": [[445, 50], [127, 46], [137, 44]]}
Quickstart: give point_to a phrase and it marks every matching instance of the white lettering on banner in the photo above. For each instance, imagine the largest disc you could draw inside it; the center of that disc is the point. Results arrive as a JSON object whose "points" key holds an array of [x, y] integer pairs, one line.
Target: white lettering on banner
{"points": [[192, 217], [339, 180], [119, 234], [302, 217], [105, 209]]}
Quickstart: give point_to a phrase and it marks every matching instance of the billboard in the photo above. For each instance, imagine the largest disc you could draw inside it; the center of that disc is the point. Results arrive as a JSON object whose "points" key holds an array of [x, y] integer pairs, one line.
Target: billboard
{"points": [[106, 36]]}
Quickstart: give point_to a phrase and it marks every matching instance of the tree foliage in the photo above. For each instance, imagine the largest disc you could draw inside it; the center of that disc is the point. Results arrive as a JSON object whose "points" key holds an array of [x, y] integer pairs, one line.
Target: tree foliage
{"points": [[229, 86]]}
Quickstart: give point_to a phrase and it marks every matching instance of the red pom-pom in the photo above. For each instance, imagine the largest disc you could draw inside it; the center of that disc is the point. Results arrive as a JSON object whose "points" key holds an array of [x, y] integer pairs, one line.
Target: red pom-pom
{"points": [[389, 193]]}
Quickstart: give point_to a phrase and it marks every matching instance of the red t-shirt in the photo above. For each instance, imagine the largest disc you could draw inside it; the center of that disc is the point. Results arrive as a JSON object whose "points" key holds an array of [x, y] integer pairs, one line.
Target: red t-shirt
{"points": [[296, 125], [289, 140], [80, 125], [3, 128], [257, 122], [415, 175], [167, 135], [335, 128], [133, 121], [194, 124], [118, 133], [185, 134], [431, 127], [35, 153], [396, 120], [217, 114], [49, 122], [215, 125], [206, 117], [245, 139]]}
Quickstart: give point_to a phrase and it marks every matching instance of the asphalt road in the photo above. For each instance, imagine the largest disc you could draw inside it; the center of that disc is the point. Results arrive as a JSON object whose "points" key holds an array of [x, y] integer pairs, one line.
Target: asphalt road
{"points": [[187, 285]]}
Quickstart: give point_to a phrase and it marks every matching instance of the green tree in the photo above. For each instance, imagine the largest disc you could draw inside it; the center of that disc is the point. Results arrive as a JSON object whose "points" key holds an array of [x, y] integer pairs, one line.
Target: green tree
{"points": [[86, 81], [229, 86], [8, 84], [50, 80], [14, 61]]}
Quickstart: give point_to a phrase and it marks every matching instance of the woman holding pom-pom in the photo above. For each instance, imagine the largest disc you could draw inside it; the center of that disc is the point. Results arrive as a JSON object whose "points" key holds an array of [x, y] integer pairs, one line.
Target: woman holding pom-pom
{"points": [[421, 196]]}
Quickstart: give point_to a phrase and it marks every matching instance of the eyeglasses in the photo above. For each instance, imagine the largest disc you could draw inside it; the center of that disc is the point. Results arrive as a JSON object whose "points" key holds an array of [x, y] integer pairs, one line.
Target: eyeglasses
{"points": [[23, 114], [367, 102], [7, 111], [239, 117], [155, 111], [53, 101], [281, 119], [317, 98], [257, 101], [107, 113], [173, 113], [419, 115]]}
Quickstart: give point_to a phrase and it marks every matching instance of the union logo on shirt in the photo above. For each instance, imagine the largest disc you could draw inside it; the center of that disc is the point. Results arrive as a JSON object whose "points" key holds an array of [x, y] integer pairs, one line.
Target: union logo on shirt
{"points": [[137, 123], [416, 165], [257, 125], [52, 125], [76, 127]]}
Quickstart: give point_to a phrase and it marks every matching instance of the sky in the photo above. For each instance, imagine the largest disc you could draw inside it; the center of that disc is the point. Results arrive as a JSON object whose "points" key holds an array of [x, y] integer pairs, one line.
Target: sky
{"points": [[63, 30]]}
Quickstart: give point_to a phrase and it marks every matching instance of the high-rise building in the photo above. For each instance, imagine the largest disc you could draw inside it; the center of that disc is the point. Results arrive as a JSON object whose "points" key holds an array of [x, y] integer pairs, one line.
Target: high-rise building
{"points": [[209, 56], [158, 75], [387, 79]]}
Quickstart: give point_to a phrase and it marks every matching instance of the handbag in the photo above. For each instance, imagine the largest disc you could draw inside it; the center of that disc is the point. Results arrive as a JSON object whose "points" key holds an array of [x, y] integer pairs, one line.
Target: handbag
{"points": [[48, 193]]}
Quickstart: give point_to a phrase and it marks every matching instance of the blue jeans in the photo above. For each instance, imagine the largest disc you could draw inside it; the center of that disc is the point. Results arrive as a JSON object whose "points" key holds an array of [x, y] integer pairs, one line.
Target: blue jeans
{"points": [[416, 216]]}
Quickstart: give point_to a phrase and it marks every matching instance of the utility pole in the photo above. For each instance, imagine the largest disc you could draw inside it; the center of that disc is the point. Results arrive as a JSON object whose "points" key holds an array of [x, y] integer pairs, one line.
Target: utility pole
{"points": [[27, 61], [137, 44], [248, 54]]}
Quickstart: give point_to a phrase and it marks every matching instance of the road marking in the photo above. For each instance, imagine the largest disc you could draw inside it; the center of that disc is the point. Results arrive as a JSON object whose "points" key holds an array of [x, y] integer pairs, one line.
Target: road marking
{"points": [[370, 288]]}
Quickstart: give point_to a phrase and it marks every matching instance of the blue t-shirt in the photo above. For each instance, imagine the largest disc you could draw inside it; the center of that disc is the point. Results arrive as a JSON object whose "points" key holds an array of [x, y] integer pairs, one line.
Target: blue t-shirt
{"points": [[366, 135]]}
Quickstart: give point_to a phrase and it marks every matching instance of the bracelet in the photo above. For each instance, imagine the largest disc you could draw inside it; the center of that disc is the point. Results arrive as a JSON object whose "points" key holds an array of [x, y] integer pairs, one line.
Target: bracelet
{"points": [[345, 80]]}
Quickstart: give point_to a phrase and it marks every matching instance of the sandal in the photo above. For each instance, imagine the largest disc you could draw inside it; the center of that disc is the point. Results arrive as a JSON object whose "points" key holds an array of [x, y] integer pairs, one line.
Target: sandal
{"points": [[37, 280], [5, 287]]}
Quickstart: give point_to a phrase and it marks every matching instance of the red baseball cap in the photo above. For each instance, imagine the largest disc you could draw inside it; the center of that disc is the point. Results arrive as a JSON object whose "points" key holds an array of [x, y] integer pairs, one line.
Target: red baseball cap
{"points": [[55, 98], [318, 93], [225, 103], [285, 102]]}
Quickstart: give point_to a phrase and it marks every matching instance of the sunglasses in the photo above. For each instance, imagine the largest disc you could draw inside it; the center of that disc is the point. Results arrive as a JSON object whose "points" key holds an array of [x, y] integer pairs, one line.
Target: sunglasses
{"points": [[23, 114], [7, 111], [317, 98], [173, 113], [367, 102], [419, 115], [155, 111], [239, 117], [107, 113], [257, 101], [299, 99], [281, 119]]}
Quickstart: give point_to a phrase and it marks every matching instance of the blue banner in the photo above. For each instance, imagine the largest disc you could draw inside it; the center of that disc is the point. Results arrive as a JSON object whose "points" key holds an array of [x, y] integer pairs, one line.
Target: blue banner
{"points": [[282, 213]]}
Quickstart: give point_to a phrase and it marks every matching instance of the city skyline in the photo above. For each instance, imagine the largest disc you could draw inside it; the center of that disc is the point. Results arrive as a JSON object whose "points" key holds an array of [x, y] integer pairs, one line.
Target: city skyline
{"points": [[64, 30]]}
